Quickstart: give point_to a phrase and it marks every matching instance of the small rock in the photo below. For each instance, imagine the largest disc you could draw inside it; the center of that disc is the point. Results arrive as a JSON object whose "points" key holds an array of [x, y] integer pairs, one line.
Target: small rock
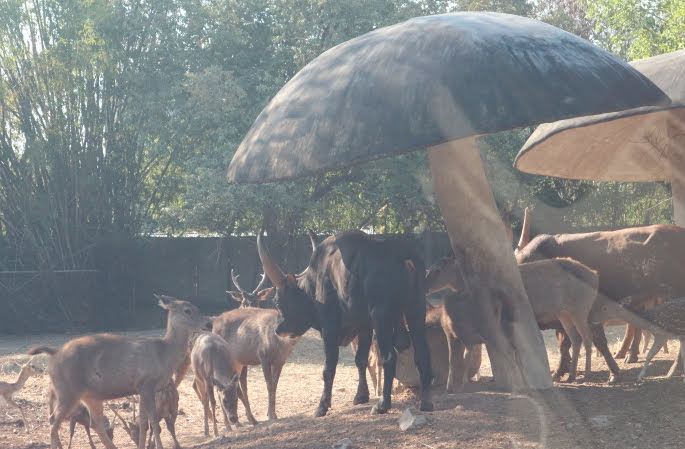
{"points": [[411, 420], [600, 421], [345, 443]]}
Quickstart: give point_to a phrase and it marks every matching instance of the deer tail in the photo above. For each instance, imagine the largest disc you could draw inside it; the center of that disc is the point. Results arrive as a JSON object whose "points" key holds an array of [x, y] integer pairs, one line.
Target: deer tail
{"points": [[42, 349]]}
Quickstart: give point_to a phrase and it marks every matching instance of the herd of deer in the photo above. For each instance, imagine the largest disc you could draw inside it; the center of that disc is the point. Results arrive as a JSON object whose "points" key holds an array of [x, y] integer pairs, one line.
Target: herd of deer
{"points": [[86, 371]]}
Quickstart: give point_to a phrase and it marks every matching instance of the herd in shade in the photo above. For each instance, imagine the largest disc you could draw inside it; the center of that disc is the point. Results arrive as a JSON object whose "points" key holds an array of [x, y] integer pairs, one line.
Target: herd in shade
{"points": [[372, 293]]}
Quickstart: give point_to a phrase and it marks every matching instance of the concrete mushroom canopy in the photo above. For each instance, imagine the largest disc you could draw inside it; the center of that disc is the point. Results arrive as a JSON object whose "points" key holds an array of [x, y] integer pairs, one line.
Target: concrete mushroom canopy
{"points": [[437, 82], [636, 145], [427, 81]]}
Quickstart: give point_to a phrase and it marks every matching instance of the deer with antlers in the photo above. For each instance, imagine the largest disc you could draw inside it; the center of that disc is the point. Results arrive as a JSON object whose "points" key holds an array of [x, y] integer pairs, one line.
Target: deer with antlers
{"points": [[250, 299]]}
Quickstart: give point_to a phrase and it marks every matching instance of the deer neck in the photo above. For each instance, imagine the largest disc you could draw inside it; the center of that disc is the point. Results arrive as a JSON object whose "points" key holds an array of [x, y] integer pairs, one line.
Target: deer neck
{"points": [[21, 380], [177, 343]]}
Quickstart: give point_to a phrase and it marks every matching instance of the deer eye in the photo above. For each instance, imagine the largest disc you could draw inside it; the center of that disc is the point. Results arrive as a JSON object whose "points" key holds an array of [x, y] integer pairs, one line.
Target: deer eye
{"points": [[188, 311]]}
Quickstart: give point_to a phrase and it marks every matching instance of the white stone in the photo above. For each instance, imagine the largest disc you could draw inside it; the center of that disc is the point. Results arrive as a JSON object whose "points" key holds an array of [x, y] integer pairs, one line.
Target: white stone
{"points": [[410, 420], [345, 443]]}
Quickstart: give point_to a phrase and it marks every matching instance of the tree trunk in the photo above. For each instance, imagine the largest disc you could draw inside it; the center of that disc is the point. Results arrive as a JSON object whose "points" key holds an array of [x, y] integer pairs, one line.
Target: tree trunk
{"points": [[678, 192], [516, 349]]}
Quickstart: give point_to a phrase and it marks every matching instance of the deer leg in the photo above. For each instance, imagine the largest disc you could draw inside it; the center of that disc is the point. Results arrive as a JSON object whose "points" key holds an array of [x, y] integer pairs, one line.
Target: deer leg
{"points": [[170, 422], [658, 343], [243, 396], [576, 341], [677, 365], [583, 328], [600, 341], [416, 321], [209, 391], [148, 411], [275, 375], [564, 343], [90, 439], [361, 360], [72, 428], [65, 405], [626, 342], [21, 412], [379, 369], [199, 390], [475, 358], [97, 420], [374, 378], [268, 379], [646, 335], [455, 361], [634, 347]]}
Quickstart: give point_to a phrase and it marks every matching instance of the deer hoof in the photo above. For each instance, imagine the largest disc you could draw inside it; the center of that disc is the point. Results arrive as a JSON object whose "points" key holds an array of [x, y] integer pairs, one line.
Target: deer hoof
{"points": [[630, 358], [320, 411]]}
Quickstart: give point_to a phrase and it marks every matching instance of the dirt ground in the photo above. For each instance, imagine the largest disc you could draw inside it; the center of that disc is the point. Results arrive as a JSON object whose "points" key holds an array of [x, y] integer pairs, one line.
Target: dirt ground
{"points": [[572, 415]]}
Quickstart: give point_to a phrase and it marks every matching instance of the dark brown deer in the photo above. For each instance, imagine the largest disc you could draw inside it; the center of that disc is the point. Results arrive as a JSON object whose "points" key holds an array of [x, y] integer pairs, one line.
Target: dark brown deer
{"points": [[100, 367]]}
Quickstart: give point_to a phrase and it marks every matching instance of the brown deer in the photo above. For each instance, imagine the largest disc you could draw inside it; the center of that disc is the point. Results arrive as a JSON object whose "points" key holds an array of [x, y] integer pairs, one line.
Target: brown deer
{"points": [[213, 366], [7, 389], [664, 321], [251, 337], [100, 367], [250, 299], [166, 401], [558, 289]]}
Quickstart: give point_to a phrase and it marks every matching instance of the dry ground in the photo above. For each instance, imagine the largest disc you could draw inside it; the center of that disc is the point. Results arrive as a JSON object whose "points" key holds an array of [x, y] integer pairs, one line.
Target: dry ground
{"points": [[645, 416]]}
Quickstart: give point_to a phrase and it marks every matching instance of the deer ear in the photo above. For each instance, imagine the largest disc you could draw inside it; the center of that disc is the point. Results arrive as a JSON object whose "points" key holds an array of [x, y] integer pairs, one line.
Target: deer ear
{"points": [[264, 295], [236, 296], [164, 301]]}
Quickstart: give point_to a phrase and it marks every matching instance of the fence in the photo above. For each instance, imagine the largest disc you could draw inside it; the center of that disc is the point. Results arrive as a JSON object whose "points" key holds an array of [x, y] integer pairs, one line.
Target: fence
{"points": [[118, 292]]}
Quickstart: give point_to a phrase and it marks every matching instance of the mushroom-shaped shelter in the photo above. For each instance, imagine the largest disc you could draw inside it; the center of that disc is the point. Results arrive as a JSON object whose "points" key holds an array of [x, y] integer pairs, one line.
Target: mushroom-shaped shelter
{"points": [[638, 145], [437, 82]]}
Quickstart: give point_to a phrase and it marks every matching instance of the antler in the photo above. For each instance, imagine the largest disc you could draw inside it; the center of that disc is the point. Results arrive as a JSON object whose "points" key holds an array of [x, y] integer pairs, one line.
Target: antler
{"points": [[261, 283], [234, 278]]}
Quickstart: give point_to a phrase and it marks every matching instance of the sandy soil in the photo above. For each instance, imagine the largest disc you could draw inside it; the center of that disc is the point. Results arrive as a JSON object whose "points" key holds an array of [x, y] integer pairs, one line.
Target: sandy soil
{"points": [[591, 414]]}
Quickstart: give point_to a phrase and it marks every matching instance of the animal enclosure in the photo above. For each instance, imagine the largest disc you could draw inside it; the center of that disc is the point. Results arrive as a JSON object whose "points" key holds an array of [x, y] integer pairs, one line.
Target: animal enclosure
{"points": [[569, 417]]}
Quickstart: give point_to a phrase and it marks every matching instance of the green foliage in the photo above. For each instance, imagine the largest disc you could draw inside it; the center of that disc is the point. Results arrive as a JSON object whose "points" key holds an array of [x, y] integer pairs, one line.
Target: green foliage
{"points": [[119, 118], [638, 29]]}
